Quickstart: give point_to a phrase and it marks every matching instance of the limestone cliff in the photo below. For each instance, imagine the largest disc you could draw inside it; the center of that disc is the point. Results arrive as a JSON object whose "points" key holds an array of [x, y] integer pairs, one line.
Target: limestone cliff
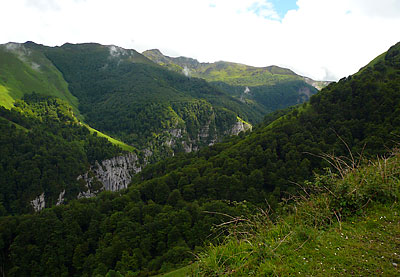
{"points": [[113, 175], [239, 126], [116, 173], [60, 199], [38, 203], [207, 135]]}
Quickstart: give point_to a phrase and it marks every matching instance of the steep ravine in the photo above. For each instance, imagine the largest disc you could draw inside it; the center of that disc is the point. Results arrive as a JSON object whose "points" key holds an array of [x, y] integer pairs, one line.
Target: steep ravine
{"points": [[116, 173]]}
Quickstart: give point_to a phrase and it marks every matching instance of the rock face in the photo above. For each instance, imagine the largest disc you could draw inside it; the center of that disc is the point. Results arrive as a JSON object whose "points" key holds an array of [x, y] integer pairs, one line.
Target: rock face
{"points": [[113, 175], [207, 135], [38, 203], [317, 84], [116, 173], [60, 199], [239, 126]]}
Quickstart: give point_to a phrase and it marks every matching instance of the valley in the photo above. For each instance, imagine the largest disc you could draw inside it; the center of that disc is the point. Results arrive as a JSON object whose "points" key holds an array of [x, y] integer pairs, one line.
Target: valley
{"points": [[137, 105], [241, 170]]}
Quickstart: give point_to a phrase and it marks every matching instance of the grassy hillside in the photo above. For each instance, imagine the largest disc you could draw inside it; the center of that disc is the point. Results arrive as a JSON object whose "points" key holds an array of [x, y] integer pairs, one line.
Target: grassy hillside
{"points": [[242, 75], [24, 70], [263, 88], [230, 73], [337, 226], [118, 143]]}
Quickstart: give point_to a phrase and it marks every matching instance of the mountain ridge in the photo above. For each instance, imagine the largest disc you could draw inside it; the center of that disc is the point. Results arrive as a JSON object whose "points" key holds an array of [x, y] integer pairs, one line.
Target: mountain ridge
{"points": [[178, 64], [33, 58], [142, 88], [262, 88]]}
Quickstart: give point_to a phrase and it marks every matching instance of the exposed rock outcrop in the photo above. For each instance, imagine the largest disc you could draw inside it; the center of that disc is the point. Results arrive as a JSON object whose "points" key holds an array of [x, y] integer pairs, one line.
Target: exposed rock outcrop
{"points": [[38, 203], [317, 84], [113, 174], [60, 199], [116, 173], [239, 126]]}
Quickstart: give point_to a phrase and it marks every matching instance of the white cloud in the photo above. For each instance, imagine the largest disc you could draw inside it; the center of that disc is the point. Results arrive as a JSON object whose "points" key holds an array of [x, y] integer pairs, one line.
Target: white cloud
{"points": [[43, 5], [321, 39]]}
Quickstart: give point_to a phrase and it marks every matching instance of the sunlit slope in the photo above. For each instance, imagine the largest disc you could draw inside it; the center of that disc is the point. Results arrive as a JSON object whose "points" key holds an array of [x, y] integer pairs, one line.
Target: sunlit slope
{"points": [[23, 70], [228, 72], [265, 89]]}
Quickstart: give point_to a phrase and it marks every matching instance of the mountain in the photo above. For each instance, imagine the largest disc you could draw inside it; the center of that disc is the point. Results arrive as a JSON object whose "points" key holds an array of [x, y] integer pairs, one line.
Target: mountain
{"points": [[124, 94], [130, 104], [43, 150], [26, 76], [265, 88], [228, 72], [170, 209], [24, 70], [359, 113]]}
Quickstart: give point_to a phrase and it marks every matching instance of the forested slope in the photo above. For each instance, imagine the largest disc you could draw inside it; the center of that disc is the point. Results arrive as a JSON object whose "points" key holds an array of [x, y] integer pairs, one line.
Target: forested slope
{"points": [[265, 89], [126, 95], [43, 150], [359, 113], [169, 209]]}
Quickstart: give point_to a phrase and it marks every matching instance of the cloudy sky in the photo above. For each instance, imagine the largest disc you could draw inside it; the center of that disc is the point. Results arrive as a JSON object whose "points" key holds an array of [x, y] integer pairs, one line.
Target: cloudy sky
{"points": [[321, 39]]}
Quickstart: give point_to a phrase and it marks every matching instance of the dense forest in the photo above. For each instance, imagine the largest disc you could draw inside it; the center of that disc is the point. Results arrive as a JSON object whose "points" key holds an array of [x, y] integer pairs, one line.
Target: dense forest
{"points": [[167, 214], [269, 98], [264, 89], [43, 149], [357, 114], [125, 95]]}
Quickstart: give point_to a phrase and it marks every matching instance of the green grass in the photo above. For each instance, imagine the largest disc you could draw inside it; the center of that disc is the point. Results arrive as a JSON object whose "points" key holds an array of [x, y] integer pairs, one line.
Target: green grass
{"points": [[243, 75], [243, 121], [121, 144], [181, 272], [23, 74], [234, 74], [362, 245], [347, 225], [5, 99], [372, 63]]}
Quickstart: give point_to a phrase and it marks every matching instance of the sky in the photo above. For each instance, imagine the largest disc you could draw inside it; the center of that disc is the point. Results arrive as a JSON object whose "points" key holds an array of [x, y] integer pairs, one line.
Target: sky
{"points": [[320, 39]]}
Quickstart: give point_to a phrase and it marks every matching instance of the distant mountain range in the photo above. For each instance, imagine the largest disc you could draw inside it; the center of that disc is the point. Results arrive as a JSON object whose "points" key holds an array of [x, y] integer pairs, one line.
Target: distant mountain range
{"points": [[231, 73], [135, 103], [262, 88], [125, 94]]}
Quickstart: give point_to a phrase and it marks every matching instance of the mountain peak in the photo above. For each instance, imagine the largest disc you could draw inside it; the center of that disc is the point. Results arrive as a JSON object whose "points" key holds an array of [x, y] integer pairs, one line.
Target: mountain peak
{"points": [[237, 73], [154, 51]]}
